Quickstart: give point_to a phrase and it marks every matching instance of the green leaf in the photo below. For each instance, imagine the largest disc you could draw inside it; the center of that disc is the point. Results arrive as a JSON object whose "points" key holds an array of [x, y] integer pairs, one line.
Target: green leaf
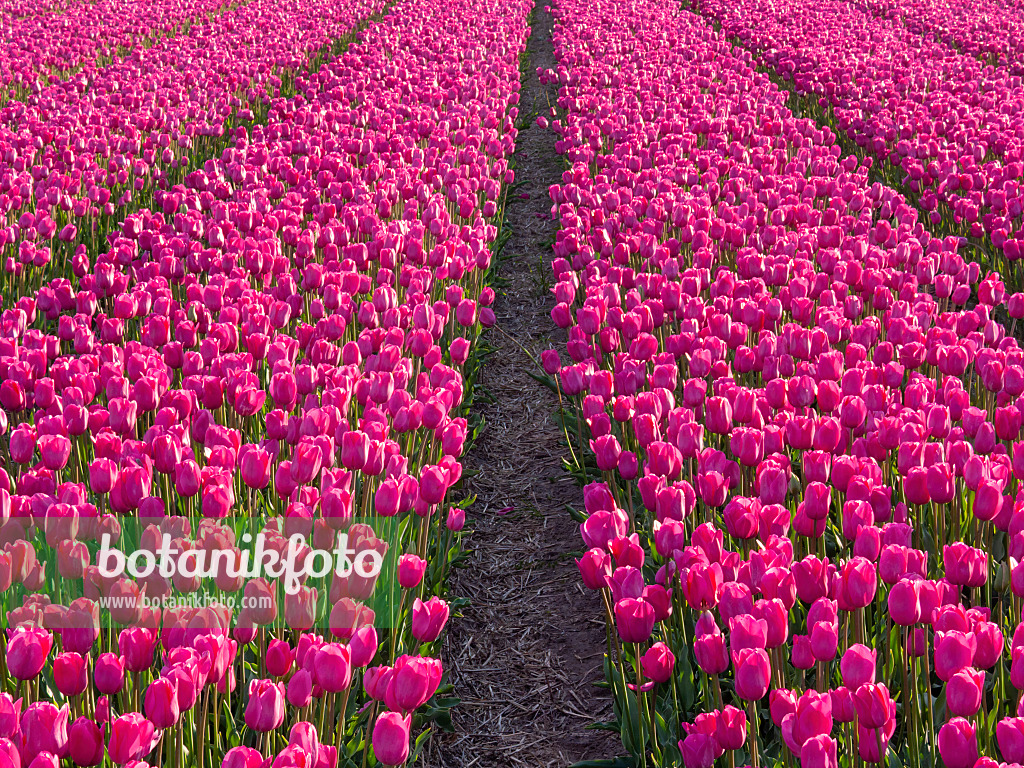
{"points": [[686, 691], [418, 745], [466, 502], [605, 725], [610, 762], [547, 381], [575, 514], [458, 602]]}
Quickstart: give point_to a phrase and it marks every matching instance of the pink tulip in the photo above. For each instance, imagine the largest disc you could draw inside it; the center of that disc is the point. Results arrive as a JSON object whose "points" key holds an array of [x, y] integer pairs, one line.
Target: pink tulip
{"points": [[265, 708], [391, 738]]}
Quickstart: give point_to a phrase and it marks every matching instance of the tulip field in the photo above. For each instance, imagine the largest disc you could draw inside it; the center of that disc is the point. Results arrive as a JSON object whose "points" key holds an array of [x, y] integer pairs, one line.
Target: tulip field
{"points": [[251, 256], [793, 391], [945, 124], [244, 258]]}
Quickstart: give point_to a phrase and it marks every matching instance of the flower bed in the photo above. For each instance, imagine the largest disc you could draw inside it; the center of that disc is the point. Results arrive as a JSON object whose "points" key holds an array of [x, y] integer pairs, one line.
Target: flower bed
{"points": [[801, 443], [942, 120], [282, 347]]}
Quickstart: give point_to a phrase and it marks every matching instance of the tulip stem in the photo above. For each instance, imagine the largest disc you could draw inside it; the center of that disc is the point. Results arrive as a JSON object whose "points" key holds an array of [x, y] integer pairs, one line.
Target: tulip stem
{"points": [[565, 431], [641, 704], [201, 747], [754, 750], [625, 693], [339, 725], [369, 728], [908, 704], [611, 624], [216, 717], [931, 706]]}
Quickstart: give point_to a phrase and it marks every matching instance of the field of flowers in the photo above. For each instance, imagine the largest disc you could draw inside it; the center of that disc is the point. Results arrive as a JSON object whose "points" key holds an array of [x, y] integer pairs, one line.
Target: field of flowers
{"points": [[243, 277], [794, 407], [991, 30], [945, 124], [249, 251]]}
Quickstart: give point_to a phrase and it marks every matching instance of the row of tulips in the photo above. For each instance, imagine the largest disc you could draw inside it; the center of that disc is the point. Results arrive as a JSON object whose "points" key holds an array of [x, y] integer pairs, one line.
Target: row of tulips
{"points": [[20, 9], [989, 29], [302, 371], [798, 422], [942, 122], [80, 38], [83, 154]]}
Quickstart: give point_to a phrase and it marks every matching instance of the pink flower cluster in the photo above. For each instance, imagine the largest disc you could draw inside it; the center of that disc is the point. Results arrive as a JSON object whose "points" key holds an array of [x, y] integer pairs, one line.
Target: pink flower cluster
{"points": [[83, 153], [282, 337], [988, 29], [20, 9], [802, 421], [38, 47], [944, 120]]}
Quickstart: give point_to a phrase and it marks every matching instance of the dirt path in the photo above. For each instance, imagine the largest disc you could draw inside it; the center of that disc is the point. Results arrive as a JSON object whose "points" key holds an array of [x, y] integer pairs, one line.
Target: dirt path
{"points": [[528, 650]]}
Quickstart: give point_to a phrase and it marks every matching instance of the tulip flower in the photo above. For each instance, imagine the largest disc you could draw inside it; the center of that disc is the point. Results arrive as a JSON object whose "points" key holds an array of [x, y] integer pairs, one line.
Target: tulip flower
{"points": [[812, 717], [85, 743], [428, 619], [131, 738], [635, 619], [657, 663], [161, 703], [265, 709], [410, 571], [413, 681], [753, 672], [958, 744], [954, 651], [27, 650], [858, 666], [10, 715], [300, 689], [242, 757], [819, 752], [44, 728], [391, 738], [1010, 735], [964, 691], [70, 673], [699, 750], [332, 667], [872, 703], [280, 658]]}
